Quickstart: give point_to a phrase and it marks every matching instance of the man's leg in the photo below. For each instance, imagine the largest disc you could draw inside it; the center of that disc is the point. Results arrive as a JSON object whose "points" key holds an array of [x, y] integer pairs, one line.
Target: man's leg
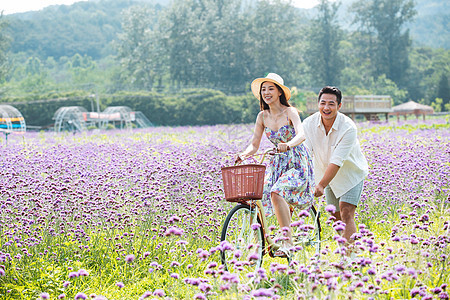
{"points": [[347, 215], [337, 216], [332, 200]]}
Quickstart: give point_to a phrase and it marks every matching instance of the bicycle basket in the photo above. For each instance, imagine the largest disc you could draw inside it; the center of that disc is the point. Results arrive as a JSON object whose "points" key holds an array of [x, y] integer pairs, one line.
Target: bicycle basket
{"points": [[243, 182]]}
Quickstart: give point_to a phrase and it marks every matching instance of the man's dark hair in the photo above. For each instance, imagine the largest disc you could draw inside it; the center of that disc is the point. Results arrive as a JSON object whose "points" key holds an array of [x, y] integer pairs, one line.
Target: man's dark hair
{"points": [[331, 90]]}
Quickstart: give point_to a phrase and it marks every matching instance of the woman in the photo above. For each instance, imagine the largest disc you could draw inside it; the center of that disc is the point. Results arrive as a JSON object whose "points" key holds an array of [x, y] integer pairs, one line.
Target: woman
{"points": [[289, 178]]}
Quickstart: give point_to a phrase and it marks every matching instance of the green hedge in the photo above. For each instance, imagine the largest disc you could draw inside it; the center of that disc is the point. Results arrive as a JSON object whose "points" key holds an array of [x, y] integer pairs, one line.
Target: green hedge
{"points": [[189, 107]]}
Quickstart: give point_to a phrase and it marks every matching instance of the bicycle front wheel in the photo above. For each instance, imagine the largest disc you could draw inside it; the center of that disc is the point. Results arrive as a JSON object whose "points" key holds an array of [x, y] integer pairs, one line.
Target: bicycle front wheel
{"points": [[242, 240], [306, 231]]}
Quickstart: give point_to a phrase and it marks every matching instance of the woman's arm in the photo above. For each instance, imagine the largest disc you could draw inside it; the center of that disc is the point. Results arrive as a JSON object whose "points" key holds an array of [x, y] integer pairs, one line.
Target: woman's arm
{"points": [[299, 133], [256, 138]]}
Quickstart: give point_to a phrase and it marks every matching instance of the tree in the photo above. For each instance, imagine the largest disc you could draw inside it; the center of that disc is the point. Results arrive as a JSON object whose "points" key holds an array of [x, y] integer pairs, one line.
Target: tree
{"points": [[324, 37], [206, 42], [4, 44], [443, 91], [138, 47], [224, 43], [425, 74], [275, 31], [180, 40], [36, 78], [384, 21], [82, 69]]}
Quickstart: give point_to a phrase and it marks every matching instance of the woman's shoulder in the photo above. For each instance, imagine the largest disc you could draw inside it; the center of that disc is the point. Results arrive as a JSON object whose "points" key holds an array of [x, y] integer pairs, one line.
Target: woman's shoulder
{"points": [[293, 110], [260, 118], [260, 114]]}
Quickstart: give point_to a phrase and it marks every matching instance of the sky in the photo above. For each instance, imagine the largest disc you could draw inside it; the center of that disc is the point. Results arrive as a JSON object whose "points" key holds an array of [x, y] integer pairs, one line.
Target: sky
{"points": [[15, 6]]}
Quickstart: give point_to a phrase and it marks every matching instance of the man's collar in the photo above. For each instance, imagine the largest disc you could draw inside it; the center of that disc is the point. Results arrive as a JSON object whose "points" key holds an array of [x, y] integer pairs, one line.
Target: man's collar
{"points": [[336, 122], [319, 120]]}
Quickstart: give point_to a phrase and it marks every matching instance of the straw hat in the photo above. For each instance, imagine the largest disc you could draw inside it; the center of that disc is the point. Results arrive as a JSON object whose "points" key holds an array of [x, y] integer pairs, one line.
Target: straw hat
{"points": [[272, 77]]}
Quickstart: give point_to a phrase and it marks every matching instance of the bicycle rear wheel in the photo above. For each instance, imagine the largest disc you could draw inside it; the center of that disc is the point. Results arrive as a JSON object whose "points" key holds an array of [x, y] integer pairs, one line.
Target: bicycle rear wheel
{"points": [[306, 231], [242, 240]]}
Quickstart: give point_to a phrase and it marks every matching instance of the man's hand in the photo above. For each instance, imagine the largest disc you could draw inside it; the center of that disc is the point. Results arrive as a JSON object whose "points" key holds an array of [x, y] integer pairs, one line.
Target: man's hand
{"points": [[319, 191]]}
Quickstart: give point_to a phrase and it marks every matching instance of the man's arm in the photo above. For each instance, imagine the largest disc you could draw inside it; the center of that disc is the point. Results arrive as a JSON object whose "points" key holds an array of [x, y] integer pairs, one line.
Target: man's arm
{"points": [[330, 173]]}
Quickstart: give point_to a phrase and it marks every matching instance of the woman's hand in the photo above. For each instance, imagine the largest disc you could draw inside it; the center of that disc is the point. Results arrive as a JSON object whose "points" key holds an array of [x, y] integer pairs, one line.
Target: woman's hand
{"points": [[283, 147], [239, 158]]}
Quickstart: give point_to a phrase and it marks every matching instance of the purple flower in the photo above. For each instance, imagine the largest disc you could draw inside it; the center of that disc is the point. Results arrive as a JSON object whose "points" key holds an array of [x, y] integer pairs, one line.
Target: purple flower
{"points": [[80, 296], [174, 264], [224, 246], [174, 231], [339, 226], [414, 292], [145, 295], [120, 284], [129, 258], [255, 226], [371, 271], [200, 296], [45, 296], [204, 287], [400, 268], [340, 239], [159, 293], [2, 272], [253, 256], [262, 292], [202, 254], [303, 214], [297, 223], [424, 218], [83, 272], [62, 296], [233, 278], [330, 208]]}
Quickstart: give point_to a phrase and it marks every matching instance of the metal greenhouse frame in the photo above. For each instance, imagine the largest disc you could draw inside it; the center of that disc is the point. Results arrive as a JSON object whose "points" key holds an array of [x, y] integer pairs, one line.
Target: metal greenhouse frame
{"points": [[76, 118], [11, 120], [70, 118]]}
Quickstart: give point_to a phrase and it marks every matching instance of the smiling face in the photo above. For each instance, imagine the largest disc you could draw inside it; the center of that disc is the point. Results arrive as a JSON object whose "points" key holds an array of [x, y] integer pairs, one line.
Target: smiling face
{"points": [[328, 107], [270, 92]]}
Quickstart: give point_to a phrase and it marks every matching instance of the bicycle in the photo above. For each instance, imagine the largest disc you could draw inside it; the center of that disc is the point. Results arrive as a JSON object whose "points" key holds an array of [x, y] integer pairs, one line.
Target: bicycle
{"points": [[246, 236]]}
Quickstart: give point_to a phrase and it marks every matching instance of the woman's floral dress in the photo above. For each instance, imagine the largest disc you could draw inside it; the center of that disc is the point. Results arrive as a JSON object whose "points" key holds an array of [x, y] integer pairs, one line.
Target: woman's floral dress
{"points": [[290, 175]]}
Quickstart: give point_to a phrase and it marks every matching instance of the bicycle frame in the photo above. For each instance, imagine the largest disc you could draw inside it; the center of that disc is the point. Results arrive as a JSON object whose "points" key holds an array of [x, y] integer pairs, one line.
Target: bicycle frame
{"points": [[262, 217]]}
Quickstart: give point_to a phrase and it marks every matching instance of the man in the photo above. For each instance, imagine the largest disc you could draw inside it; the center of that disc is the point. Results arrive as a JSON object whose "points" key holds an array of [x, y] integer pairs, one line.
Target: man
{"points": [[339, 165]]}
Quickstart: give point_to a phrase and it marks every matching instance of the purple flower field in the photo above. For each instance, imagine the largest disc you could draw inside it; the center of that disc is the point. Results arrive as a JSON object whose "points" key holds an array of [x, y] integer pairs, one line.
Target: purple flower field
{"points": [[138, 214]]}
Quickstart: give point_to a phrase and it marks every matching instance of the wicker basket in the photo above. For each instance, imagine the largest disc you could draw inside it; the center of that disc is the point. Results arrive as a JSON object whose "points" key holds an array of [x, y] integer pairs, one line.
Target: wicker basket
{"points": [[243, 182]]}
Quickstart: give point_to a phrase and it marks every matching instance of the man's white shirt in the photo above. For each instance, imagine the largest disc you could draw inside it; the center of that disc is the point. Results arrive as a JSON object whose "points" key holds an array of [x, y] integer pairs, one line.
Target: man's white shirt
{"points": [[340, 147]]}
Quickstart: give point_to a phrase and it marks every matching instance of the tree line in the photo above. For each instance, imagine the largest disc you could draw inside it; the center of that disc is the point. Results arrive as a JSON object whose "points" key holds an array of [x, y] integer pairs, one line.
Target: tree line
{"points": [[223, 45]]}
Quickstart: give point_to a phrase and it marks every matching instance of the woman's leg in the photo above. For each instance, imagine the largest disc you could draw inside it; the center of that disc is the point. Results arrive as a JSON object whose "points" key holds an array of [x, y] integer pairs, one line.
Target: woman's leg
{"points": [[281, 209]]}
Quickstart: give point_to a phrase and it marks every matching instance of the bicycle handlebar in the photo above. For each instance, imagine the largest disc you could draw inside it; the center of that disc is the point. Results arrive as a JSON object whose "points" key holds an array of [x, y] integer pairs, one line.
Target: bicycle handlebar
{"points": [[270, 151]]}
